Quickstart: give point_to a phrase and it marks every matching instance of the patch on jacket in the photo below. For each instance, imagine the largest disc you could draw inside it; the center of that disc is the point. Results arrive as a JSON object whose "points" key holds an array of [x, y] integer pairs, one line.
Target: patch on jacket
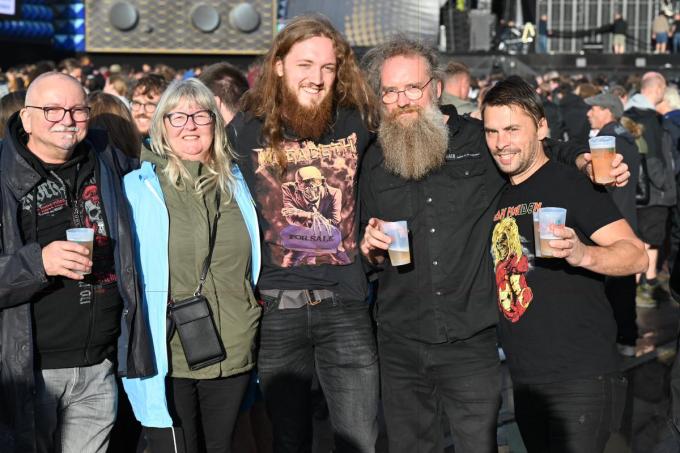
{"points": [[619, 130]]}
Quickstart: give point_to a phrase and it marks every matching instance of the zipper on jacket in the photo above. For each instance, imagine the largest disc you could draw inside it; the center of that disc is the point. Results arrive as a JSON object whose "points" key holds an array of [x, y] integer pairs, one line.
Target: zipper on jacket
{"points": [[148, 184], [90, 327]]}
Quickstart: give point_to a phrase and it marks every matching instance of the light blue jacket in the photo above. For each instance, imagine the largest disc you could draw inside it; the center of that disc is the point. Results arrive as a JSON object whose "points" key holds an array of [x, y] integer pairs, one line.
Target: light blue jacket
{"points": [[150, 216]]}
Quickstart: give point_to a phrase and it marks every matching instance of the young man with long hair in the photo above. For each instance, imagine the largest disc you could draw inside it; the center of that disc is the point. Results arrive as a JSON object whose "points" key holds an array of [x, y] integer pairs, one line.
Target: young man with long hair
{"points": [[301, 138]]}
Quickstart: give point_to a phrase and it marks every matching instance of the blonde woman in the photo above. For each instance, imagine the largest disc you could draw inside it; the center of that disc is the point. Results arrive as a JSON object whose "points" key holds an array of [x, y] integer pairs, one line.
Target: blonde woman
{"points": [[174, 203]]}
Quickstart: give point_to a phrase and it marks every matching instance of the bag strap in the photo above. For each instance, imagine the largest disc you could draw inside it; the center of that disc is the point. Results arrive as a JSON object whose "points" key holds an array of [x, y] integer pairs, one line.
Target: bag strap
{"points": [[211, 246]]}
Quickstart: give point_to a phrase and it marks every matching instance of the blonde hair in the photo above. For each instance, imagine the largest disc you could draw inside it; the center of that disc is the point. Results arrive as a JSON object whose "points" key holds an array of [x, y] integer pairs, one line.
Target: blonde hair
{"points": [[672, 97], [506, 228], [219, 163]]}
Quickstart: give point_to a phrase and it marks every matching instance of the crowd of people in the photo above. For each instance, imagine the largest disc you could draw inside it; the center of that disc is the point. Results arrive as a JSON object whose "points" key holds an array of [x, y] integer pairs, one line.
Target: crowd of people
{"points": [[240, 245]]}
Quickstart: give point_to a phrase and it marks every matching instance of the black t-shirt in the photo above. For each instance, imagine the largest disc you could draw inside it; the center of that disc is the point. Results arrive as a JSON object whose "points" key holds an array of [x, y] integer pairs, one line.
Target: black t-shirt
{"points": [[555, 322], [75, 323], [620, 27], [308, 216]]}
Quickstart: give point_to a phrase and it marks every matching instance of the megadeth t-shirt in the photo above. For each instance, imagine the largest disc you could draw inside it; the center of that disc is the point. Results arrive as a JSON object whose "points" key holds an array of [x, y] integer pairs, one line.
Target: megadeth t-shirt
{"points": [[307, 215], [555, 322]]}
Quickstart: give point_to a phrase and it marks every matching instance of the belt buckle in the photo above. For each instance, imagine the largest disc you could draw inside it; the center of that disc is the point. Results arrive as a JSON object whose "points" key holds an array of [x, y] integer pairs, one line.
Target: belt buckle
{"points": [[311, 298]]}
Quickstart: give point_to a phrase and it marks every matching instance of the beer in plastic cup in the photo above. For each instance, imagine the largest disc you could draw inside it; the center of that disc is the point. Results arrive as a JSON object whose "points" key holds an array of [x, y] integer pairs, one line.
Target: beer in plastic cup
{"points": [[399, 250], [84, 237], [546, 218], [602, 150], [537, 236]]}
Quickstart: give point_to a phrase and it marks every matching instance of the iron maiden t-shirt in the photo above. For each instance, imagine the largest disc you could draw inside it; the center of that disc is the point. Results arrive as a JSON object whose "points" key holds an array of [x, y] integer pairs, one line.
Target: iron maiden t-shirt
{"points": [[555, 320]]}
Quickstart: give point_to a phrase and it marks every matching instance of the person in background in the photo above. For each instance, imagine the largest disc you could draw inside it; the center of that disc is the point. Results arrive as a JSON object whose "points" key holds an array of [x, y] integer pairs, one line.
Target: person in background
{"points": [[9, 105], [110, 114], [675, 31], [188, 186], [620, 92], [660, 30], [457, 88], [620, 28], [117, 85], [653, 213], [146, 93], [543, 33], [228, 84], [604, 115], [574, 113], [72, 67], [669, 107]]}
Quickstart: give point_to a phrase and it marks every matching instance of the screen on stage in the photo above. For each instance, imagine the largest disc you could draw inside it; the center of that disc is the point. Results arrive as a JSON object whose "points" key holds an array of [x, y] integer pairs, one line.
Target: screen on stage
{"points": [[8, 7]]}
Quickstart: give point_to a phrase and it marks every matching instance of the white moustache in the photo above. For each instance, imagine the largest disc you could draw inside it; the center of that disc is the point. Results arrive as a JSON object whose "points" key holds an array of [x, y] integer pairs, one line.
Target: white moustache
{"points": [[65, 129]]}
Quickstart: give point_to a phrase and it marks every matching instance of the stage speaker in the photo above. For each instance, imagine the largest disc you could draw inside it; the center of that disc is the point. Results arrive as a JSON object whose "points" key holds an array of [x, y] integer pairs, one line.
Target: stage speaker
{"points": [[482, 25], [180, 26]]}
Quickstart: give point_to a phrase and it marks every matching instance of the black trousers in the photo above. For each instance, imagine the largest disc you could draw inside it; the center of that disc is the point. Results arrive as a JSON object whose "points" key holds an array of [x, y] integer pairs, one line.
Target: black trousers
{"points": [[621, 293], [205, 410], [574, 416], [675, 226], [421, 380]]}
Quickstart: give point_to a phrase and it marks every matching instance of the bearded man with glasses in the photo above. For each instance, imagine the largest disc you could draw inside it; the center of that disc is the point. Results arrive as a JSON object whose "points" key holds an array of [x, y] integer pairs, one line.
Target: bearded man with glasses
{"points": [[436, 317], [68, 317]]}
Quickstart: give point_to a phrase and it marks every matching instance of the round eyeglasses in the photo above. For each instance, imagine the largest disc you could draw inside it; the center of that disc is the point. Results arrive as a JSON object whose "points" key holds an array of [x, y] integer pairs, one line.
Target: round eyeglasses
{"points": [[149, 107], [200, 118], [56, 114], [413, 93]]}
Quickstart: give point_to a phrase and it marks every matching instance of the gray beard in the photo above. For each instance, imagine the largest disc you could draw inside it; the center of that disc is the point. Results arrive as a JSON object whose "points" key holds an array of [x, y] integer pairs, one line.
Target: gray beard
{"points": [[414, 150]]}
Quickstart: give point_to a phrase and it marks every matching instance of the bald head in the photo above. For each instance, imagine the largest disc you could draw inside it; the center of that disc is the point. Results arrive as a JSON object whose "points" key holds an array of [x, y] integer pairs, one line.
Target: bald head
{"points": [[55, 116], [50, 79], [652, 86]]}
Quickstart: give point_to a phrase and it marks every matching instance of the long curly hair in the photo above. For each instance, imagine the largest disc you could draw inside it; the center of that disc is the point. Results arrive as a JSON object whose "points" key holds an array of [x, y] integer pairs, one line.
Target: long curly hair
{"points": [[265, 98]]}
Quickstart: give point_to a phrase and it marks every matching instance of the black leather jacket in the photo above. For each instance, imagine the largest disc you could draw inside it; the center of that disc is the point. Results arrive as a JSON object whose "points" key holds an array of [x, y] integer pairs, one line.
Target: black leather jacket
{"points": [[22, 275]]}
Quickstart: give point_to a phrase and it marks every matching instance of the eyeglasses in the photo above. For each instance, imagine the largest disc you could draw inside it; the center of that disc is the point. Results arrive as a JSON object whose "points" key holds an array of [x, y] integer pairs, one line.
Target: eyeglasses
{"points": [[200, 118], [149, 107], [413, 93], [56, 114]]}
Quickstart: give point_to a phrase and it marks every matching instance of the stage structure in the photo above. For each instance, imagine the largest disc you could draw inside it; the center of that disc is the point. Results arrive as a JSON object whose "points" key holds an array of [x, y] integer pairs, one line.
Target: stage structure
{"points": [[180, 26], [571, 17], [367, 23]]}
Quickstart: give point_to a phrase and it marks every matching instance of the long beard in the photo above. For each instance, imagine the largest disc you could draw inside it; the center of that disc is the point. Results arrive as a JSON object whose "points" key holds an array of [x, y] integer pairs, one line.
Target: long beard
{"points": [[305, 122], [415, 149]]}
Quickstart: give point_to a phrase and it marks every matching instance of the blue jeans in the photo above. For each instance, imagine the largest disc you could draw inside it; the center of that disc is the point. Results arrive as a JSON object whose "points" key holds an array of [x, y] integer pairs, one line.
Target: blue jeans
{"points": [[420, 380], [75, 408], [574, 416], [335, 340], [676, 42], [542, 44]]}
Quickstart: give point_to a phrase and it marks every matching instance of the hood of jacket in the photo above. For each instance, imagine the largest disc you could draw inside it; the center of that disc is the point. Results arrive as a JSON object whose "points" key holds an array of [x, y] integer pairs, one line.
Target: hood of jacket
{"points": [[640, 102]]}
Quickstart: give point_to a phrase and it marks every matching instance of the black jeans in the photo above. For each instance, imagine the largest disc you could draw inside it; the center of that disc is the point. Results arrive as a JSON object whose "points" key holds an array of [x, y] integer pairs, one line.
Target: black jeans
{"points": [[334, 339], [206, 410], [621, 292], [575, 416], [419, 380]]}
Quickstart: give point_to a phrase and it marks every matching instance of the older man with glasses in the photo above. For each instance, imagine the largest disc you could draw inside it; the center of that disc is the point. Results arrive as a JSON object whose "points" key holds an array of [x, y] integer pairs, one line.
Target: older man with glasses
{"points": [[68, 316]]}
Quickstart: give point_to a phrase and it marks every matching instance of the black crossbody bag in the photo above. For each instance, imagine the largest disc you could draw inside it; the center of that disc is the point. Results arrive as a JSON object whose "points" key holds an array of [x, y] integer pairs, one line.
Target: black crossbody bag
{"points": [[193, 319]]}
